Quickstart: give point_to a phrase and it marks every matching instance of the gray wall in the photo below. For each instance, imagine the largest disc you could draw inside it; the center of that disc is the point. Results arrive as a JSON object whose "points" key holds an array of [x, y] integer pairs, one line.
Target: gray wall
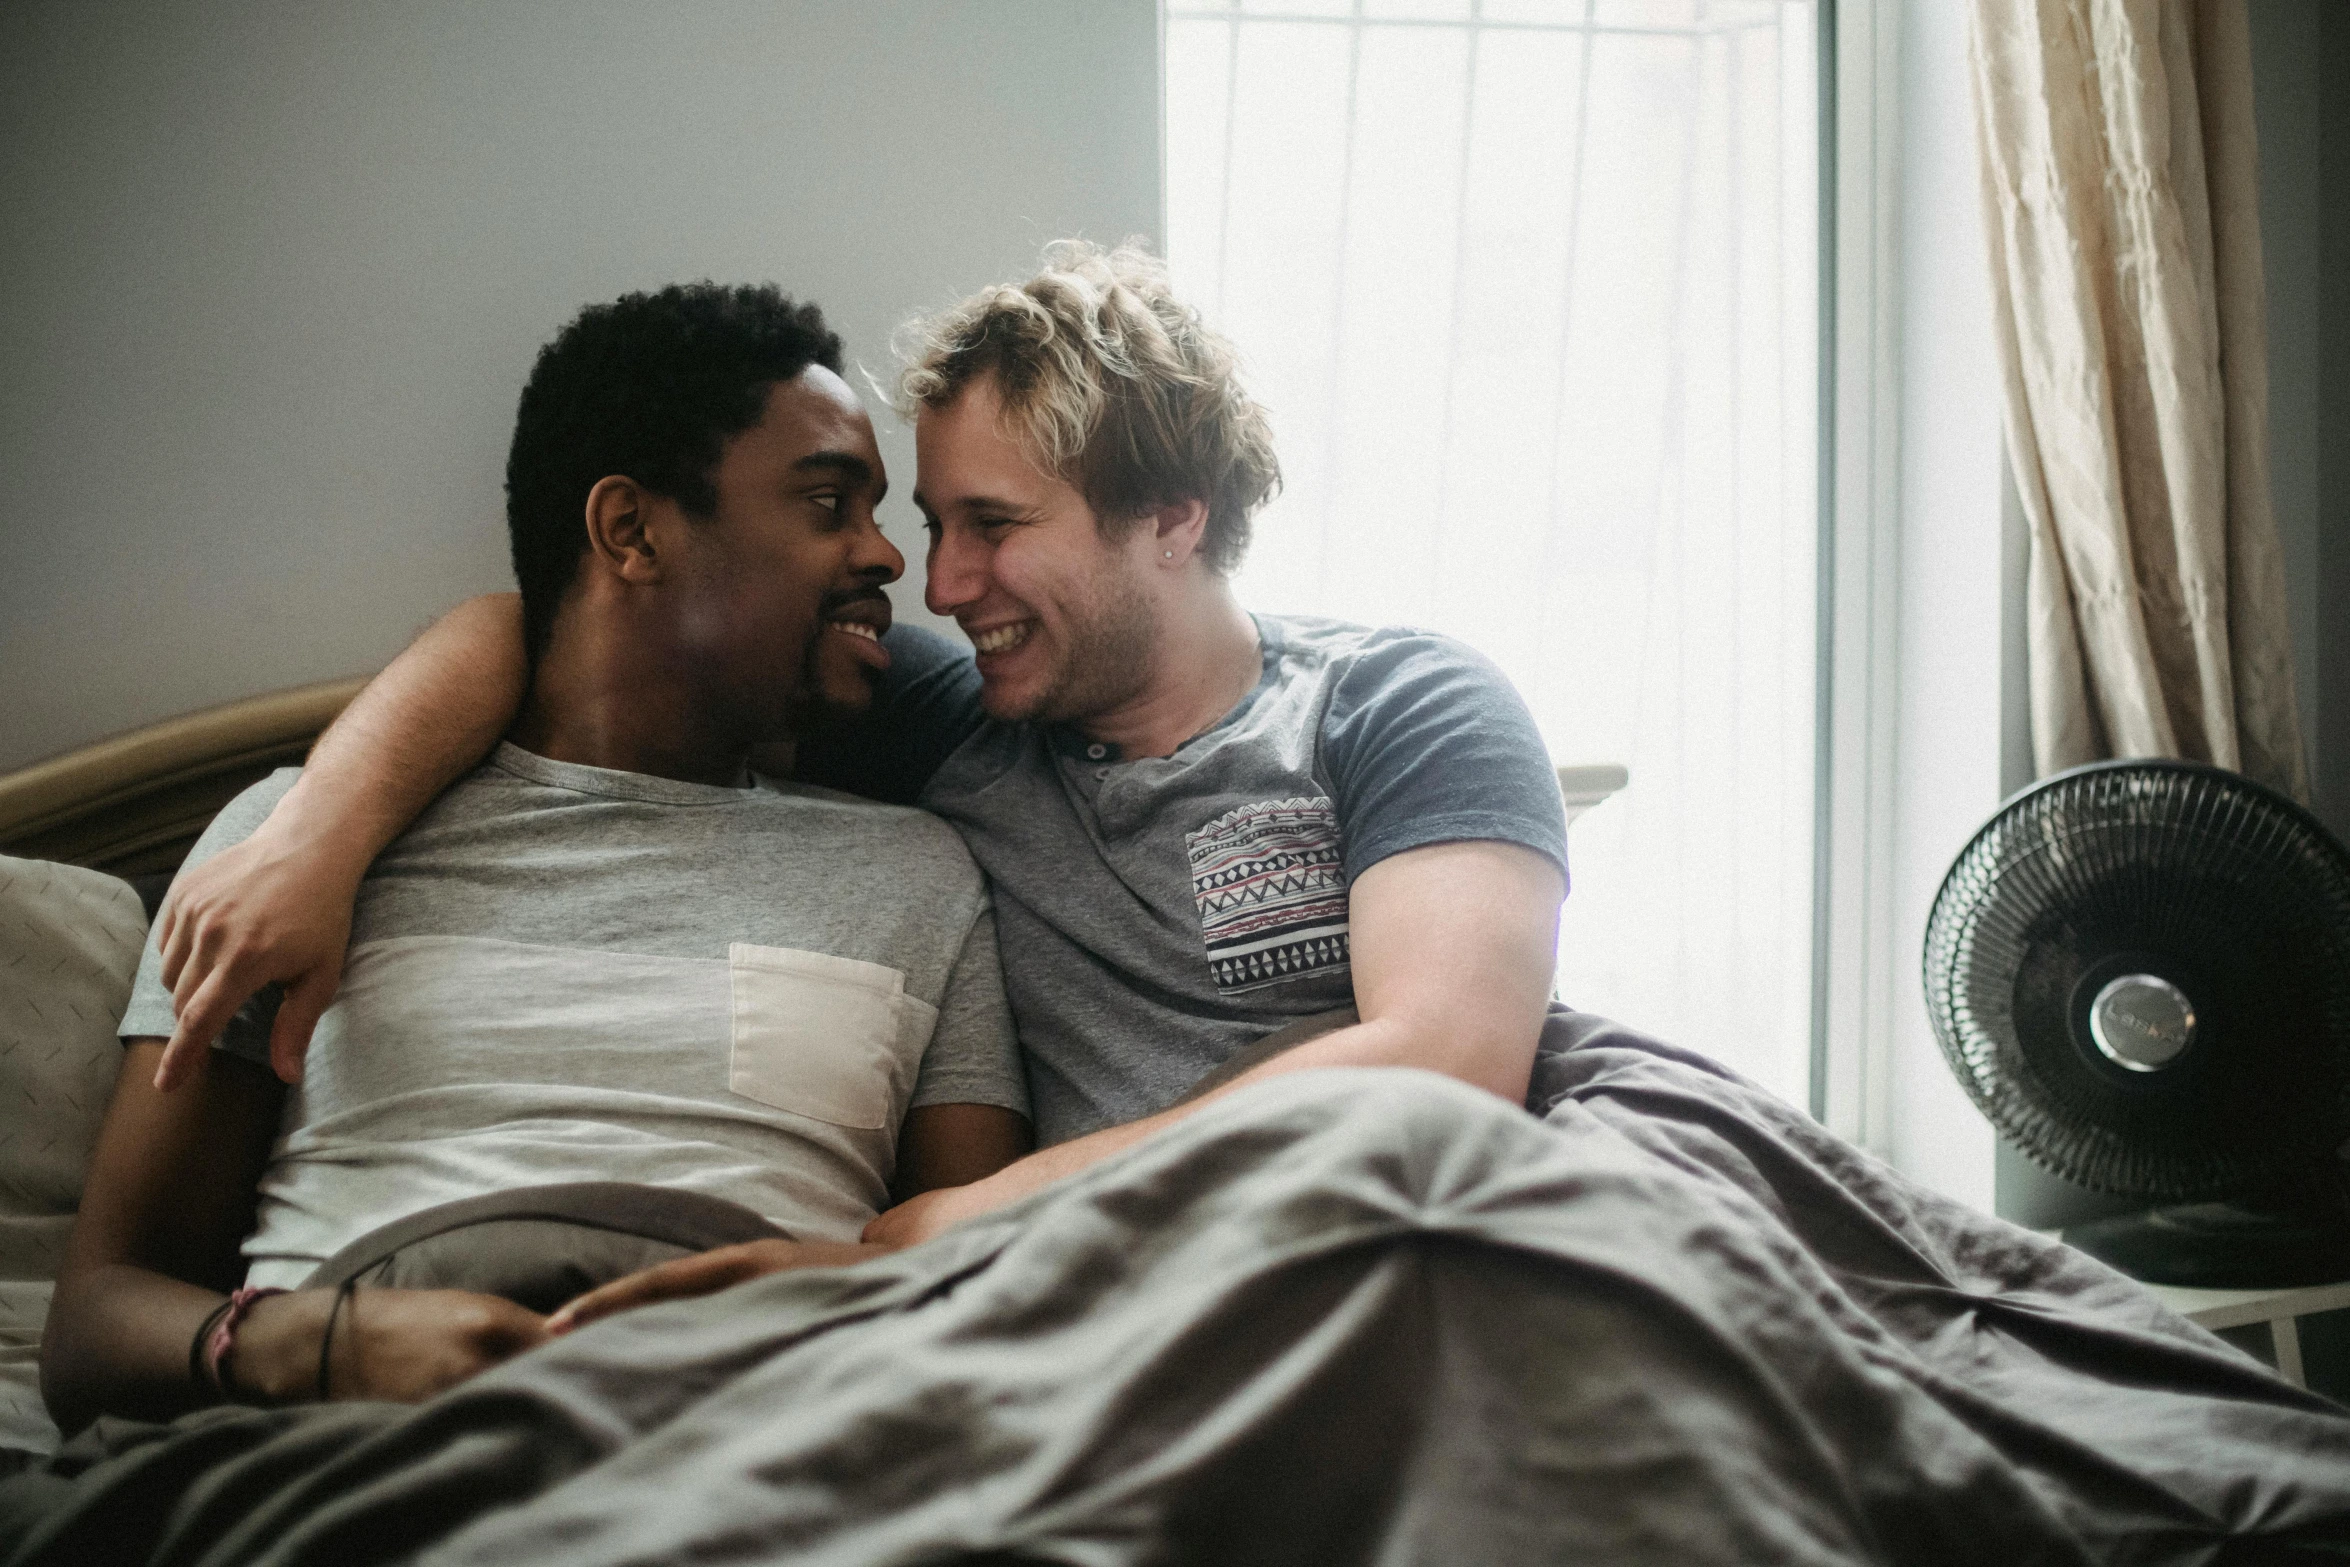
{"points": [[271, 275], [2300, 48]]}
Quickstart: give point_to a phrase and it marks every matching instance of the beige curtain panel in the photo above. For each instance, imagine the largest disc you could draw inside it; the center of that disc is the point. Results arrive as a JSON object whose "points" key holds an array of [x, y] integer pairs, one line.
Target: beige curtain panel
{"points": [[2121, 201]]}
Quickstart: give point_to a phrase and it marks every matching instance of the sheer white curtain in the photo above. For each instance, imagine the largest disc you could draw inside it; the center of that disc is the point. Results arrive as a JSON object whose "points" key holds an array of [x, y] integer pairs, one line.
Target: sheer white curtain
{"points": [[1530, 289]]}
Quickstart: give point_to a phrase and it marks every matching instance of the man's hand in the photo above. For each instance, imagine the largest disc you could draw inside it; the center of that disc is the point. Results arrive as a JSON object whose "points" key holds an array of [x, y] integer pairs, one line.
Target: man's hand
{"points": [[399, 1345], [265, 911], [706, 1273], [276, 909], [919, 1218]]}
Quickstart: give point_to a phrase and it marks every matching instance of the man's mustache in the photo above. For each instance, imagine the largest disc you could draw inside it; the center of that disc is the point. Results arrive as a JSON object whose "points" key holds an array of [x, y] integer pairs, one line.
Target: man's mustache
{"points": [[833, 603]]}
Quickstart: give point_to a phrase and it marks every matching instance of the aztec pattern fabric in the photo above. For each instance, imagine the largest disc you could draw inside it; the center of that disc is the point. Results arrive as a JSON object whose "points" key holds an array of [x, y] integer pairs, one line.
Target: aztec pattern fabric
{"points": [[1271, 885]]}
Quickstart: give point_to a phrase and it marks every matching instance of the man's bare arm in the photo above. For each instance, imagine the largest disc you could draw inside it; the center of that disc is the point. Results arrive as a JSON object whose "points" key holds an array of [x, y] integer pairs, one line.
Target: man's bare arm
{"points": [[154, 1251], [168, 1196], [954, 1145], [939, 1146], [1453, 948], [276, 908]]}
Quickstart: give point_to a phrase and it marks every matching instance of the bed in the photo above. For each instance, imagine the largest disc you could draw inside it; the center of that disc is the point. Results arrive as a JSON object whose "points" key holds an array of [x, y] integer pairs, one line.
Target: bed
{"points": [[1340, 1317], [135, 803]]}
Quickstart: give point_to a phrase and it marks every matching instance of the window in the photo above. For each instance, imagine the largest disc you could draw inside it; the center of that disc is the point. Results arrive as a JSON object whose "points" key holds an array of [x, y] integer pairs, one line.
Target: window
{"points": [[1530, 288]]}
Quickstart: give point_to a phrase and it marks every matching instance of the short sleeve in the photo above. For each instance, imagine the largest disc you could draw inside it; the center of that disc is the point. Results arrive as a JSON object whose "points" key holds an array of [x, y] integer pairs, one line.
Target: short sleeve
{"points": [[924, 706], [151, 1014], [1425, 741], [974, 1055]]}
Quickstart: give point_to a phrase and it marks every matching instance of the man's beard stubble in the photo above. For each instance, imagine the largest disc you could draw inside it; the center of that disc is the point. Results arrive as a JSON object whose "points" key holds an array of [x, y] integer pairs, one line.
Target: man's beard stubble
{"points": [[811, 707], [1110, 658]]}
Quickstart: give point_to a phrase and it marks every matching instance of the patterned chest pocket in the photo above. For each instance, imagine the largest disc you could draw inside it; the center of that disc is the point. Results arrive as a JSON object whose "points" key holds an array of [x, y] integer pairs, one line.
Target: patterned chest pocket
{"points": [[1271, 885]]}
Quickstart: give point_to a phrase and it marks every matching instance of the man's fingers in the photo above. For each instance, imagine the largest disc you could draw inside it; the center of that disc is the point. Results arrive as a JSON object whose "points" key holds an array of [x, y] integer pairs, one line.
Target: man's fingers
{"points": [[704, 1273], [896, 1228], [200, 1021], [179, 929], [179, 1058], [167, 926], [524, 1329], [638, 1289], [297, 1016], [200, 957], [680, 1280]]}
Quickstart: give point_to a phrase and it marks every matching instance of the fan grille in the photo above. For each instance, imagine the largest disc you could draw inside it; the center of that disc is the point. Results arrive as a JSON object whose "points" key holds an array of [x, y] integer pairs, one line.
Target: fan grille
{"points": [[2216, 883]]}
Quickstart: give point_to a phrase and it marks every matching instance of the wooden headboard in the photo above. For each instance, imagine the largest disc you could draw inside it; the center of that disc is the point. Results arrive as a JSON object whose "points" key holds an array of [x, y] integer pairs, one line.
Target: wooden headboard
{"points": [[134, 804]]}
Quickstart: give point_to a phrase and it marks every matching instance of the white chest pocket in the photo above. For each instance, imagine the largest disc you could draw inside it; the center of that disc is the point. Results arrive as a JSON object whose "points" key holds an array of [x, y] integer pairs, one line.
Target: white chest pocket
{"points": [[833, 1038]]}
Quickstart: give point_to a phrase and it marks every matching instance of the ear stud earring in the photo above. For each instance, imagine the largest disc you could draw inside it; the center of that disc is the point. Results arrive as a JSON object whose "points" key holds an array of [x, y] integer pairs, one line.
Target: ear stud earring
{"points": [[1170, 554]]}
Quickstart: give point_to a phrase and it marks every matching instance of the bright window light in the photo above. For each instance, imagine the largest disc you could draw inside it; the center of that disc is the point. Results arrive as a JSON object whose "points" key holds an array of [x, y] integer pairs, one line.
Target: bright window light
{"points": [[1530, 289]]}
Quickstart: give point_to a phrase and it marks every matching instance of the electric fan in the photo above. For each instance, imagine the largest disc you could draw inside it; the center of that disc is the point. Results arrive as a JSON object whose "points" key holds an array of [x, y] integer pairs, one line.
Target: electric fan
{"points": [[2141, 972]]}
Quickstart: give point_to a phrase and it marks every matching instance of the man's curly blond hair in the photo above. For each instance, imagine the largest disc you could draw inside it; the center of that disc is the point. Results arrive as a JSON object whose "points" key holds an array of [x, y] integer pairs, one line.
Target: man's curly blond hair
{"points": [[1110, 384]]}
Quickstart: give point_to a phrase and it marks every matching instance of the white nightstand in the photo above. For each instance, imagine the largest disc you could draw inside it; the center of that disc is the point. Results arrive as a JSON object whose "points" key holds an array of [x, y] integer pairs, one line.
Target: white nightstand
{"points": [[2279, 1309]]}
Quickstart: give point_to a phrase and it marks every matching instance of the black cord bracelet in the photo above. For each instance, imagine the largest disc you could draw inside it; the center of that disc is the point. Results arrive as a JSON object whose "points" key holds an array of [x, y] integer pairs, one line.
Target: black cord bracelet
{"points": [[326, 1342]]}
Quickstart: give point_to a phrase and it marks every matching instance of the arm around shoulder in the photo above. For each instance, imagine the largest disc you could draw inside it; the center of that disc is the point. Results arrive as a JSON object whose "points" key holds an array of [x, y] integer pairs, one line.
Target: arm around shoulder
{"points": [[276, 909]]}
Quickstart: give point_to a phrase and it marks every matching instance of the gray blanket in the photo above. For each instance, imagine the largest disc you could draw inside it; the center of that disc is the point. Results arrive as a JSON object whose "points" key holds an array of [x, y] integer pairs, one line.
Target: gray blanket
{"points": [[1341, 1317]]}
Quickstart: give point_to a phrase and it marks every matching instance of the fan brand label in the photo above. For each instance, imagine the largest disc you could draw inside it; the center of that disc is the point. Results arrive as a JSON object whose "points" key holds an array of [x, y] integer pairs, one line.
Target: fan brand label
{"points": [[2142, 1022]]}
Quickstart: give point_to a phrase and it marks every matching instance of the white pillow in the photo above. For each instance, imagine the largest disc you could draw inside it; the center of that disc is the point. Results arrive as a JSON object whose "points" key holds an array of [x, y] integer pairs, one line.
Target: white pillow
{"points": [[69, 944]]}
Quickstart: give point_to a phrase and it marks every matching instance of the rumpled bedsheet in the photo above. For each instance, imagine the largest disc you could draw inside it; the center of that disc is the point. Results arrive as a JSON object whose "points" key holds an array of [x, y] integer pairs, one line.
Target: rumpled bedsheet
{"points": [[1339, 1317]]}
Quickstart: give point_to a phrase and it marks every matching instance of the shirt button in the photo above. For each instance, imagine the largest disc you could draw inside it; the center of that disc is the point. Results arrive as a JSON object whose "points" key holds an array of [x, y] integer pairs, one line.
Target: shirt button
{"points": [[1097, 751], [1101, 772]]}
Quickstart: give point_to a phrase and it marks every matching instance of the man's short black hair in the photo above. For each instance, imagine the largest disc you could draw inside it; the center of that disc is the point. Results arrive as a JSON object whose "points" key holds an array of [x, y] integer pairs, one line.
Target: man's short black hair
{"points": [[649, 387]]}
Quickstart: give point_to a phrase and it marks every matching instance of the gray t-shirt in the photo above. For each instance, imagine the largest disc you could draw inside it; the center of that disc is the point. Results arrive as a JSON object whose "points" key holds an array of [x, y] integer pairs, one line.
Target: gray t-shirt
{"points": [[563, 973], [1162, 913]]}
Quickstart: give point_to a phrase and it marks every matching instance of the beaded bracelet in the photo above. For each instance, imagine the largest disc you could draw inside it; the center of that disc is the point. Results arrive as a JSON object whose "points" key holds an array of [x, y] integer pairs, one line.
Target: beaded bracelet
{"points": [[196, 1373], [218, 1335], [326, 1342]]}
